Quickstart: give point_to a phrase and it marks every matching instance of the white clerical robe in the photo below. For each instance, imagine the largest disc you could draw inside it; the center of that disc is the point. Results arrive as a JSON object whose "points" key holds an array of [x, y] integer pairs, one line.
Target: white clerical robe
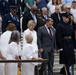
{"points": [[5, 37], [12, 52], [4, 40], [27, 54]]}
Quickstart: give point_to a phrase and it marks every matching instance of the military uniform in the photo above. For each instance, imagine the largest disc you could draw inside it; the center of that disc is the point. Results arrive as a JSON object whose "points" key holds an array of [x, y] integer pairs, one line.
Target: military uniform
{"points": [[10, 18], [15, 3], [65, 39], [65, 44]]}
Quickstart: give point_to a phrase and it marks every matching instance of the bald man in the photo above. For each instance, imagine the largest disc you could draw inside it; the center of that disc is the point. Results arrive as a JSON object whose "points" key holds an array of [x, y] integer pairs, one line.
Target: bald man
{"points": [[57, 18], [44, 13]]}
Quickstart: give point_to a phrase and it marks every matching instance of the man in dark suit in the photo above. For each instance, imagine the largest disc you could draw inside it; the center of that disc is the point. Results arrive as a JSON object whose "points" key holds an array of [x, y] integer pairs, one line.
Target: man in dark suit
{"points": [[11, 18], [47, 45], [44, 13], [30, 16], [57, 17]]}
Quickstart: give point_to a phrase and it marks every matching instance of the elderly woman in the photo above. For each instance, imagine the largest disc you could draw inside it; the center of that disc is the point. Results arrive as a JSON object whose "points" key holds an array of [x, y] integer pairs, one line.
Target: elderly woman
{"points": [[28, 54], [31, 25], [12, 54]]}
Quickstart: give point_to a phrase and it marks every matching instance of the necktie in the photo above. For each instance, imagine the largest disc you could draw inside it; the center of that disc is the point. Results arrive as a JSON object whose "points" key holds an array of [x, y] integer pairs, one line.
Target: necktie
{"points": [[58, 16], [34, 18], [14, 17], [50, 32]]}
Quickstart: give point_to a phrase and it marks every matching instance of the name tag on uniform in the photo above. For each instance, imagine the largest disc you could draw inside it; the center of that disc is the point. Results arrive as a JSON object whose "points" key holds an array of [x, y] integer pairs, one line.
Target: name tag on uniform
{"points": [[9, 21]]}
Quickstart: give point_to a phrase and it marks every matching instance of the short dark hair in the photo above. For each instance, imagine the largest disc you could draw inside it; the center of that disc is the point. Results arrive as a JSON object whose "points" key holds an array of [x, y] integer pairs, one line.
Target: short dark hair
{"points": [[48, 19], [73, 1], [15, 36]]}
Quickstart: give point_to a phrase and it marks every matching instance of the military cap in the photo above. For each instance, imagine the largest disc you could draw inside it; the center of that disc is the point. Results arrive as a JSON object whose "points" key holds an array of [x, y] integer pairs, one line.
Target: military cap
{"points": [[65, 15], [15, 8], [67, 6]]}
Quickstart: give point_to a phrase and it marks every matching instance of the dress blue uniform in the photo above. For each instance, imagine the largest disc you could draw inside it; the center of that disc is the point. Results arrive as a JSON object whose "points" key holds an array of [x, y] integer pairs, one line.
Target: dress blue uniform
{"points": [[10, 19]]}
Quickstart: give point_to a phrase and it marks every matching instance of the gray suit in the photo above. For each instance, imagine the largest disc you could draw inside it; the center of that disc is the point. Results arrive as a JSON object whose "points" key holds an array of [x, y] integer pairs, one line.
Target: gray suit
{"points": [[48, 44]]}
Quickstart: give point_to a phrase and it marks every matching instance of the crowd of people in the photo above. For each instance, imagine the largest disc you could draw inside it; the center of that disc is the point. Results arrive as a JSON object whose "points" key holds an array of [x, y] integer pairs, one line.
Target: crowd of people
{"points": [[48, 27]]}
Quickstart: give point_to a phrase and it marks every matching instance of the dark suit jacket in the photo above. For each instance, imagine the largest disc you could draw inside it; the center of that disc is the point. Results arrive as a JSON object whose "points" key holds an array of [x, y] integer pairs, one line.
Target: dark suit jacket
{"points": [[56, 19], [44, 17], [8, 19], [26, 18], [44, 39]]}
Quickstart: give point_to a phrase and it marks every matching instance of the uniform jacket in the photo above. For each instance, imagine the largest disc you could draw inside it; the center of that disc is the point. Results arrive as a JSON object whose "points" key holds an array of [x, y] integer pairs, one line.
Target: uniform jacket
{"points": [[65, 40], [8, 19]]}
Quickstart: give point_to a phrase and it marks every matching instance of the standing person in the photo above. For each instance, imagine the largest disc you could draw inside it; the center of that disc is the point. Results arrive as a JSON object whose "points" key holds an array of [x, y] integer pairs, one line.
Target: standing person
{"points": [[65, 44], [12, 54], [73, 10], [67, 11], [40, 18], [30, 16], [28, 5], [44, 13], [46, 45], [57, 17], [5, 37], [28, 54], [15, 3], [11, 18], [4, 40], [51, 6], [30, 30]]}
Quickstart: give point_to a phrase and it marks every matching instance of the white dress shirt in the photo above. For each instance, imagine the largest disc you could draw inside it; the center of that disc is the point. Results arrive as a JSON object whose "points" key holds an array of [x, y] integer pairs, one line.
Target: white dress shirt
{"points": [[48, 30]]}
